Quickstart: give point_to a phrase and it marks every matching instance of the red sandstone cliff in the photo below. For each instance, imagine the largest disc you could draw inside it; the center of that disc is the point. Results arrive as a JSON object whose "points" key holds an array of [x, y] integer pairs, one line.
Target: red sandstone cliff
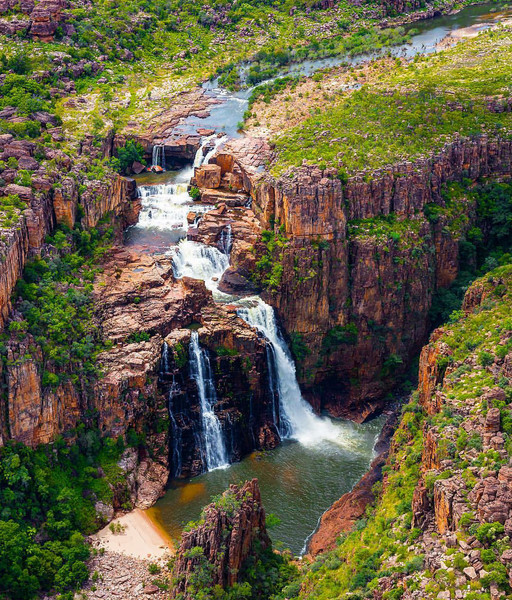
{"points": [[335, 276], [230, 531]]}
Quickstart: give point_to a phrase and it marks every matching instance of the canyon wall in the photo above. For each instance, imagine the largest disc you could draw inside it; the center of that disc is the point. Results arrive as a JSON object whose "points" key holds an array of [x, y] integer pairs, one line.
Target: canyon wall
{"points": [[355, 291], [215, 551]]}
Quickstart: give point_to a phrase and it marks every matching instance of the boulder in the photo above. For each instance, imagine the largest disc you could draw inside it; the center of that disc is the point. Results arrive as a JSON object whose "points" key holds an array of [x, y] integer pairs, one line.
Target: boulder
{"points": [[208, 176], [138, 167]]}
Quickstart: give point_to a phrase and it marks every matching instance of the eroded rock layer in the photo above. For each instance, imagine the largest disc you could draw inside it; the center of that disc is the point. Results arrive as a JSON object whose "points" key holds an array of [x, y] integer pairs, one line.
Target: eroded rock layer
{"points": [[358, 262]]}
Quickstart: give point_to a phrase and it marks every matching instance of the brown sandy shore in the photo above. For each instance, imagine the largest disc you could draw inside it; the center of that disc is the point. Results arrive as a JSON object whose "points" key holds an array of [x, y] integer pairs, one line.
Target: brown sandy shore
{"points": [[140, 537], [130, 564]]}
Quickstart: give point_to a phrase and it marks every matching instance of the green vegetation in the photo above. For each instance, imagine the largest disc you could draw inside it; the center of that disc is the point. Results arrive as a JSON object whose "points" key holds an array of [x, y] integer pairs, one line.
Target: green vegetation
{"points": [[47, 499], [11, 208], [384, 544], [55, 301], [131, 152], [338, 335], [269, 265], [265, 575], [482, 247], [413, 110]]}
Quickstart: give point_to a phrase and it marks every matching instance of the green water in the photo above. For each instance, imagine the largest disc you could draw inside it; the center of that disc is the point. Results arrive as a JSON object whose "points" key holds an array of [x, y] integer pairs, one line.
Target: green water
{"points": [[298, 483]]}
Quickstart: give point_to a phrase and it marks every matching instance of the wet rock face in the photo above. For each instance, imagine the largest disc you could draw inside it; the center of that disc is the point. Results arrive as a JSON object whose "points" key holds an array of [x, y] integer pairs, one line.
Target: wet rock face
{"points": [[231, 530], [337, 281], [245, 405]]}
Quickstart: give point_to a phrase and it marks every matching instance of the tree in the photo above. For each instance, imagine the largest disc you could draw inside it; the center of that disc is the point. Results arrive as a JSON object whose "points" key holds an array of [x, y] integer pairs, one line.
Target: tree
{"points": [[130, 153]]}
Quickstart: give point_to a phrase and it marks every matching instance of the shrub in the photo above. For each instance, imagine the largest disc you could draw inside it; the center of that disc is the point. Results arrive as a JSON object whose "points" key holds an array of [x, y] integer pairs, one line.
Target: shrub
{"points": [[487, 533], [131, 152]]}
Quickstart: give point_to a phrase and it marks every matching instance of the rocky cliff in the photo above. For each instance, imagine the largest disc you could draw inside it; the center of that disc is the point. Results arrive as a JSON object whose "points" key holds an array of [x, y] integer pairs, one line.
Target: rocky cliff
{"points": [[215, 550], [52, 197], [358, 262], [445, 503]]}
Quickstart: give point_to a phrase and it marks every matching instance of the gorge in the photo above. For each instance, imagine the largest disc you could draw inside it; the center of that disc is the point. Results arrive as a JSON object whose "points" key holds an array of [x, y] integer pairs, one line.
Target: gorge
{"points": [[254, 307]]}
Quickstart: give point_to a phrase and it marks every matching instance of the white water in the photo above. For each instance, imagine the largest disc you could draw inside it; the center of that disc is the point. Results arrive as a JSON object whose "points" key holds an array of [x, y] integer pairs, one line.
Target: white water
{"points": [[191, 259], [165, 207], [226, 239], [158, 157], [213, 441], [297, 419]]}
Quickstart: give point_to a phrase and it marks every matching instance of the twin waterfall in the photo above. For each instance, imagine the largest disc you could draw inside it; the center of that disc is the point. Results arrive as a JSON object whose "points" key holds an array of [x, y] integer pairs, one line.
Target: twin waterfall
{"points": [[213, 446], [293, 416], [165, 208]]}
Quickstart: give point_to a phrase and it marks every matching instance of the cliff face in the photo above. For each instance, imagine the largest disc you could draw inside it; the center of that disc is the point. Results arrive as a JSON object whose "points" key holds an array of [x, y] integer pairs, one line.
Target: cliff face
{"points": [[141, 308], [354, 292], [214, 552], [52, 199], [444, 505]]}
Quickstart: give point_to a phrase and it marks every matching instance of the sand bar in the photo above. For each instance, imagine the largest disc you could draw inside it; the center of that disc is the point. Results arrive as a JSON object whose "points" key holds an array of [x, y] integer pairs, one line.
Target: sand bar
{"points": [[140, 537]]}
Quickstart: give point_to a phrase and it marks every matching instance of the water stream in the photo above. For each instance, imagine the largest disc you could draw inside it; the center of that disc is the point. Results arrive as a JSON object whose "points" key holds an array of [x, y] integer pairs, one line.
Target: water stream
{"points": [[320, 458], [214, 446]]}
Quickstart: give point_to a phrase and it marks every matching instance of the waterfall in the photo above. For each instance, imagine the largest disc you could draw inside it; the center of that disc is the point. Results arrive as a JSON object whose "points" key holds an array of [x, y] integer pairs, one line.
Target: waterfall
{"points": [[226, 240], [296, 417], [213, 441], [158, 156], [191, 259], [174, 390], [165, 207], [176, 460], [202, 158]]}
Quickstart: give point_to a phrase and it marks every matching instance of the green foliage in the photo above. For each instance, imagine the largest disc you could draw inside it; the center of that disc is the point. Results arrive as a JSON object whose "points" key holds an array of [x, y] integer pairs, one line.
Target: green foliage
{"points": [[46, 503], [128, 154], [412, 110], [55, 299], [487, 533], [225, 351], [298, 347], [138, 336], [392, 362], [194, 193], [338, 335], [269, 266]]}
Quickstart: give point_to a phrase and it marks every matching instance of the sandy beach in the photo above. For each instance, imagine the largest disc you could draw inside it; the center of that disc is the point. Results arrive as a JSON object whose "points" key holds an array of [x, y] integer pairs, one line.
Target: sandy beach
{"points": [[138, 537]]}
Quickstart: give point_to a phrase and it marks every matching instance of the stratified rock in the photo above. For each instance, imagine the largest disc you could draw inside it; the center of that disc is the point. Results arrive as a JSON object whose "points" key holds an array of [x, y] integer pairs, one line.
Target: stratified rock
{"points": [[231, 531], [208, 176]]}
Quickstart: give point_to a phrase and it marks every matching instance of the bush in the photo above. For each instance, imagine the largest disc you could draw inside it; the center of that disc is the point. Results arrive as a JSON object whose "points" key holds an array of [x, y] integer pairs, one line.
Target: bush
{"points": [[131, 152], [487, 533]]}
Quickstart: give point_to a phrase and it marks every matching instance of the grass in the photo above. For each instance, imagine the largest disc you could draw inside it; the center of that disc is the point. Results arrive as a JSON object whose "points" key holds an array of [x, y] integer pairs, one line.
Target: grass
{"points": [[410, 112], [384, 543]]}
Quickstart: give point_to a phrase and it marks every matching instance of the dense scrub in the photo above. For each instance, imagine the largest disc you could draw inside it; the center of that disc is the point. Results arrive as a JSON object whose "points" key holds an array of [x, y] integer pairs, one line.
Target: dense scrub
{"points": [[47, 500], [55, 304]]}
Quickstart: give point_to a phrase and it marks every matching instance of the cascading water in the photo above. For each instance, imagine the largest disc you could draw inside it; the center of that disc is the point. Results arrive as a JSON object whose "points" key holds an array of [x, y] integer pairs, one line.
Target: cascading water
{"points": [[191, 259], [226, 240], [158, 156], [296, 417], [164, 214], [215, 455]]}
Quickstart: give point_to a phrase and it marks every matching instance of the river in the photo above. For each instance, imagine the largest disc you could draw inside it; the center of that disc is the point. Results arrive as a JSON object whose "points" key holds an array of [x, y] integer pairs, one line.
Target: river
{"points": [[320, 458]]}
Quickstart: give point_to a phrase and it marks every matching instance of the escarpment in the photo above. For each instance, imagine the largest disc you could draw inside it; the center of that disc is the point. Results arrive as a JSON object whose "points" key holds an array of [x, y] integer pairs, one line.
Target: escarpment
{"points": [[352, 266], [215, 551], [53, 198], [444, 504]]}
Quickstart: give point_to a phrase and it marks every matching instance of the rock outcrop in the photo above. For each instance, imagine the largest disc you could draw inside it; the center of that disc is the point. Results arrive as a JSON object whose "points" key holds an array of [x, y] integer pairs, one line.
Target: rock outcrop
{"points": [[39, 20], [231, 530], [358, 300]]}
